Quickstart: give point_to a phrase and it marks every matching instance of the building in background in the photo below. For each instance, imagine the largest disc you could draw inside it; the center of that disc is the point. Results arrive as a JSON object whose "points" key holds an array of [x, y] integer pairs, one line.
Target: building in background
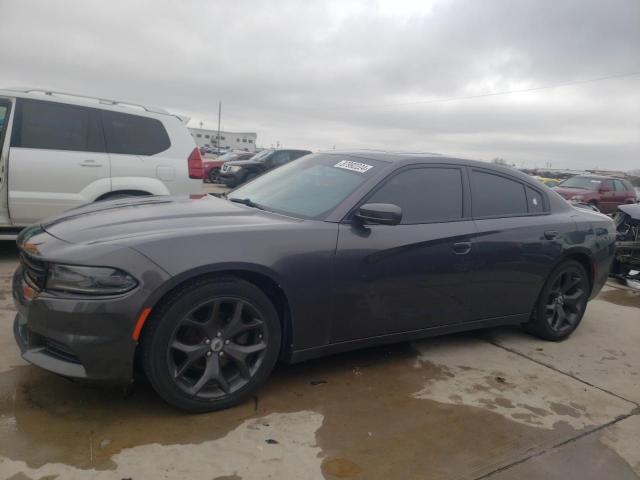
{"points": [[233, 140]]}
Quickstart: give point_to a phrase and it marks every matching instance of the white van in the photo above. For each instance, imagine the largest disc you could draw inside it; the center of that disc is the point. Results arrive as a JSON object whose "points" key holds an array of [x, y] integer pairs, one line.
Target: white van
{"points": [[59, 150]]}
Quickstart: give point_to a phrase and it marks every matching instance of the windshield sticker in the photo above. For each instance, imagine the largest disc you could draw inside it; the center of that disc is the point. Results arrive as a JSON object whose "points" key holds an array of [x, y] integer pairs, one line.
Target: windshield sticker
{"points": [[353, 166]]}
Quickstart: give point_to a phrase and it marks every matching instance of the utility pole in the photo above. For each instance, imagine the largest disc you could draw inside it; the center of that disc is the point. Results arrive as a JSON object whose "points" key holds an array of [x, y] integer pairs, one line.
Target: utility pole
{"points": [[219, 115]]}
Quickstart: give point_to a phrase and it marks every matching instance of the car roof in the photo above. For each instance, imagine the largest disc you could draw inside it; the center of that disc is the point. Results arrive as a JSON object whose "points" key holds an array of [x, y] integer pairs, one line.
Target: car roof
{"points": [[435, 158], [83, 100]]}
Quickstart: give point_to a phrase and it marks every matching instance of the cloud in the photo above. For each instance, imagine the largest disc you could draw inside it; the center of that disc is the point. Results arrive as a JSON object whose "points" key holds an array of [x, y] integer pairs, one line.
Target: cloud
{"points": [[319, 74]]}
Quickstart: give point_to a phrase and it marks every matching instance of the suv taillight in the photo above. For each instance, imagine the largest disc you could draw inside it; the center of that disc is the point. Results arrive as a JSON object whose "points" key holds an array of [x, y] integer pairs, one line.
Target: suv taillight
{"points": [[195, 164]]}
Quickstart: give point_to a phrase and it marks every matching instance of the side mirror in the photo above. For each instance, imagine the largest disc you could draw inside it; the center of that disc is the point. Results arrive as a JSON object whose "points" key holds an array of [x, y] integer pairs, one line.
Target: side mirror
{"points": [[379, 213]]}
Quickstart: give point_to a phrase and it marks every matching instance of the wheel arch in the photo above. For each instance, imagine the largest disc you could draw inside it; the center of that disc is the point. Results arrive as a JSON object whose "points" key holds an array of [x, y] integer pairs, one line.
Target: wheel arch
{"points": [[265, 279], [583, 257], [133, 193]]}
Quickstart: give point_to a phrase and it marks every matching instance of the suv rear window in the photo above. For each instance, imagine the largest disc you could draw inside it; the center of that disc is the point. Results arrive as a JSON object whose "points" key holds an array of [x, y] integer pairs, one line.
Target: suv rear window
{"points": [[56, 126], [133, 134], [495, 195]]}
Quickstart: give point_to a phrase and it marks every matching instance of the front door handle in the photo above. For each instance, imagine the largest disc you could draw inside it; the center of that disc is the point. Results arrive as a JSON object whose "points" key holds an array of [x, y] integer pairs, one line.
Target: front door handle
{"points": [[461, 248], [90, 163], [550, 234]]}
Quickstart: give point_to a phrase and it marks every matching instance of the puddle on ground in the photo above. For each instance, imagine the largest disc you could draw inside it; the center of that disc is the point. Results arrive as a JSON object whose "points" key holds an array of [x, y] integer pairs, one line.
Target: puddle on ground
{"points": [[621, 296], [481, 375], [357, 415]]}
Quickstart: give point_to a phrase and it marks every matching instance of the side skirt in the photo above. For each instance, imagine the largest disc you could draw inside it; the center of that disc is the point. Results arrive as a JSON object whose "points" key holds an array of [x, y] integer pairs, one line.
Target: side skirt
{"points": [[333, 348]]}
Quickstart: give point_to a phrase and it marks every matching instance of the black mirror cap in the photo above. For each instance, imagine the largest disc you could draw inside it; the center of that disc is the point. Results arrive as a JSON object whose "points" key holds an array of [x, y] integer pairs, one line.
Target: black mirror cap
{"points": [[379, 213]]}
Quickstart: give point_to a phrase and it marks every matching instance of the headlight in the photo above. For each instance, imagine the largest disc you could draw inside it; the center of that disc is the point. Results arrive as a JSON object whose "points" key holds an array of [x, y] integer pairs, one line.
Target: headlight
{"points": [[577, 198], [88, 280], [234, 168]]}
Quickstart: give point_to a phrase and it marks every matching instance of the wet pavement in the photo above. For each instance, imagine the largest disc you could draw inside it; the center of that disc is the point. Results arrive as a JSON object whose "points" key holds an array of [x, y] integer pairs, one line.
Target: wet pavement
{"points": [[490, 404]]}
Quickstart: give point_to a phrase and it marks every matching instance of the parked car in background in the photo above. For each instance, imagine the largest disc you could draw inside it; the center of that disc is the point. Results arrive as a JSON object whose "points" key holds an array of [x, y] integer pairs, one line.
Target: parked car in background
{"points": [[59, 151], [332, 252], [606, 193], [549, 182], [237, 172], [627, 260], [212, 166]]}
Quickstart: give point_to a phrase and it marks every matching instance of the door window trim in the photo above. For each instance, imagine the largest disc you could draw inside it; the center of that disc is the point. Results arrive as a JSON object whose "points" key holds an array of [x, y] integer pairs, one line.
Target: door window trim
{"points": [[8, 120], [524, 184], [466, 197]]}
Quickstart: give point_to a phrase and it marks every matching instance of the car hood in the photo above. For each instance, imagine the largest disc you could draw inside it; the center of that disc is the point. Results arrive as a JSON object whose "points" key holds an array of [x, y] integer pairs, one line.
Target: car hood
{"points": [[144, 217], [631, 209], [571, 192]]}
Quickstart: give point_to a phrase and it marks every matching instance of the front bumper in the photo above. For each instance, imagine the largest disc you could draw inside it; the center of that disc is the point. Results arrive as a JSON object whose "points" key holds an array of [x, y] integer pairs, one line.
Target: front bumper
{"points": [[86, 339], [231, 179], [82, 336]]}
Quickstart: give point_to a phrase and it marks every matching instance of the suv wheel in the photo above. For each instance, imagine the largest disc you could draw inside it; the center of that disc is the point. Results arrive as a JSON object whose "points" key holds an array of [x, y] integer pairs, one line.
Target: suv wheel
{"points": [[211, 344], [562, 302]]}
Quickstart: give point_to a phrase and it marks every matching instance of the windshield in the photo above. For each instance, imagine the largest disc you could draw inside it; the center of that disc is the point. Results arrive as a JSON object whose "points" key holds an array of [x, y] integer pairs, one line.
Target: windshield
{"points": [[309, 187], [227, 156], [259, 157], [585, 183]]}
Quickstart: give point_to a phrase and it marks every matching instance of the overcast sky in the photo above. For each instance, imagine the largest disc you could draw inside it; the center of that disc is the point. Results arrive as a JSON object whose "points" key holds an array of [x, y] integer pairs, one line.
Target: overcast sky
{"points": [[362, 74]]}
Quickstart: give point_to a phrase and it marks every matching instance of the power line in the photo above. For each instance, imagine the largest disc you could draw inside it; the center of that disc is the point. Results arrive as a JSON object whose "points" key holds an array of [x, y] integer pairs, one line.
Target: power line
{"points": [[508, 92]]}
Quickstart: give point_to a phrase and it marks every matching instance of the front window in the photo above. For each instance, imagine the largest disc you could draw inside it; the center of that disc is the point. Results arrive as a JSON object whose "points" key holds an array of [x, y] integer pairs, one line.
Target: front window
{"points": [[261, 157], [584, 183], [310, 187], [228, 156]]}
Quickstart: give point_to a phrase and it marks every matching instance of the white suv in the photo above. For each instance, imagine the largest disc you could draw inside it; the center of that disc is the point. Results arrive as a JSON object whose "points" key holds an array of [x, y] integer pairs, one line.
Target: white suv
{"points": [[59, 150]]}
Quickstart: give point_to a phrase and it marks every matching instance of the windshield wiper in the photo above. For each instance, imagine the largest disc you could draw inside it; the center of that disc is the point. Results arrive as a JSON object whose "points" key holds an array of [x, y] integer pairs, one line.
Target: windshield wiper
{"points": [[246, 201]]}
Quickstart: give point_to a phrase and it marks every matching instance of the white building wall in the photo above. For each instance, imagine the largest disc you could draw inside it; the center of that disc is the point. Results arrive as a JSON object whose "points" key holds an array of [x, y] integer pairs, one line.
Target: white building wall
{"points": [[234, 140]]}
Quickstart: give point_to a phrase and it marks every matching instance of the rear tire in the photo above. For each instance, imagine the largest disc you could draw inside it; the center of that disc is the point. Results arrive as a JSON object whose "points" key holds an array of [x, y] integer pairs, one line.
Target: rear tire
{"points": [[562, 302], [211, 344]]}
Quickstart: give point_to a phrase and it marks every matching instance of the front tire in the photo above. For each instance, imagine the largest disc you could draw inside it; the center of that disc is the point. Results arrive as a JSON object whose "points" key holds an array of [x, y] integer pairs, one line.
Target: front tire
{"points": [[562, 302], [211, 344], [213, 175]]}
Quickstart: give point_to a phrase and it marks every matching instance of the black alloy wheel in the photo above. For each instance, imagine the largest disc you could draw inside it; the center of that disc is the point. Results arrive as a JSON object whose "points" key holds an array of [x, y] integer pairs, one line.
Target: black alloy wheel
{"points": [[211, 344], [217, 347], [562, 302]]}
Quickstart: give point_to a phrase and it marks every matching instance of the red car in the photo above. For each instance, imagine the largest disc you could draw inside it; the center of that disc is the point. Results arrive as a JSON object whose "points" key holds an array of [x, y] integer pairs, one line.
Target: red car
{"points": [[212, 167], [606, 193]]}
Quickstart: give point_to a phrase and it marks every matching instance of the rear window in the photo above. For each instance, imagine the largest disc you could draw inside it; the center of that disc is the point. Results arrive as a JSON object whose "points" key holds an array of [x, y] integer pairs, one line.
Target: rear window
{"points": [[534, 201], [133, 134], [494, 195], [56, 126], [620, 186]]}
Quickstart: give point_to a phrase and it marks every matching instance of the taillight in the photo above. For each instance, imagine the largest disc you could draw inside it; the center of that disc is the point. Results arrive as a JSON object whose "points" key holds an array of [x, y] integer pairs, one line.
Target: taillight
{"points": [[195, 164]]}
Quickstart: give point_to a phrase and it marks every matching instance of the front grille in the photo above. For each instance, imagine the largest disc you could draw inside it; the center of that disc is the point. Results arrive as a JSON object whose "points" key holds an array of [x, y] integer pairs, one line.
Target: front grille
{"points": [[35, 271]]}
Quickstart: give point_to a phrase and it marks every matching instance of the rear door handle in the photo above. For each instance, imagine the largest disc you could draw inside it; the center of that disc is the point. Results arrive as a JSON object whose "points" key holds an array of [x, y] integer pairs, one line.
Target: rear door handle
{"points": [[550, 234], [90, 163], [461, 248]]}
